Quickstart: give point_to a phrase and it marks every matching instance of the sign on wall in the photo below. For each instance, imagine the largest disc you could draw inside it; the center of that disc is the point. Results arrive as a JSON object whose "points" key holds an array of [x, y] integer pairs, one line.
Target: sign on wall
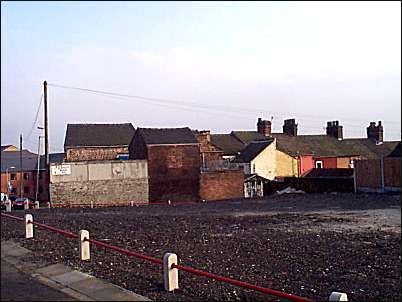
{"points": [[61, 170]]}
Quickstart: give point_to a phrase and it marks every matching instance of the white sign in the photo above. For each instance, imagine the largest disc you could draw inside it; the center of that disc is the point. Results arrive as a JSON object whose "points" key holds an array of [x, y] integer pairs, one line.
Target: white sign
{"points": [[61, 170]]}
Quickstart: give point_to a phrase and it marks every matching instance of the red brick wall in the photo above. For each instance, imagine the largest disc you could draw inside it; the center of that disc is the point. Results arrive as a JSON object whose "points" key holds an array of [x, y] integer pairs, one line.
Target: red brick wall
{"points": [[88, 154], [173, 172], [208, 152], [327, 162], [30, 183], [219, 185]]}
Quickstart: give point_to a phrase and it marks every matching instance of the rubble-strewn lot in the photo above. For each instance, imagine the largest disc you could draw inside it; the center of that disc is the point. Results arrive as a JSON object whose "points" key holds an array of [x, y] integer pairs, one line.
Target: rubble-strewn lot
{"points": [[308, 245]]}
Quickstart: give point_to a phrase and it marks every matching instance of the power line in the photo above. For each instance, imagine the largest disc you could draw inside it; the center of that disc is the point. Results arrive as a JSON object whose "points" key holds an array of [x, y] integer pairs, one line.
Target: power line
{"points": [[185, 105], [36, 118]]}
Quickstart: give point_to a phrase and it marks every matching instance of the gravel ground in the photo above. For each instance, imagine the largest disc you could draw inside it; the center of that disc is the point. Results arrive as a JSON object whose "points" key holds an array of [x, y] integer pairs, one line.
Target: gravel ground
{"points": [[308, 245]]}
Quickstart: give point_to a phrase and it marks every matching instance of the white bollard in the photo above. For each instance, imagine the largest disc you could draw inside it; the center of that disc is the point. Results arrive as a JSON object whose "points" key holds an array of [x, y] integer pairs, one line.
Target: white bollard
{"points": [[92, 204], [48, 205], [169, 202], [170, 275], [26, 204], [36, 204], [132, 203], [8, 206], [336, 296], [84, 245], [28, 226]]}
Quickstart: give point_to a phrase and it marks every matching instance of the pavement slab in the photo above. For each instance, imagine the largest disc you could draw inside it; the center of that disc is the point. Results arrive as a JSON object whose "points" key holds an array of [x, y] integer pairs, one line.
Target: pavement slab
{"points": [[55, 282]]}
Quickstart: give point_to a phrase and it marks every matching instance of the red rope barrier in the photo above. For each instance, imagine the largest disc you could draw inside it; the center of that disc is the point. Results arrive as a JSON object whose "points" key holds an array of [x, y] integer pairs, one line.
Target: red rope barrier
{"points": [[241, 284], [127, 252], [177, 266]]}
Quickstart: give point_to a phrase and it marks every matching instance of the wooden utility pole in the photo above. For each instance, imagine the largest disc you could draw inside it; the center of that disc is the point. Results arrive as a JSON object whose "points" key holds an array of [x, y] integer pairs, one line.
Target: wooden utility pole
{"points": [[21, 170], [46, 141]]}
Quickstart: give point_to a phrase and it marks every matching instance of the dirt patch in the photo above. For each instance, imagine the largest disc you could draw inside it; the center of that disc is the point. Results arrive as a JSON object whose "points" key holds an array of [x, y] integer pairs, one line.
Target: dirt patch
{"points": [[307, 245]]}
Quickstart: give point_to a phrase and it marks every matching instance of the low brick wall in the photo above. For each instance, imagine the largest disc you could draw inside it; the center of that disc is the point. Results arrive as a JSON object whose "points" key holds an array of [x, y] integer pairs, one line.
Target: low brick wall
{"points": [[219, 185], [100, 192]]}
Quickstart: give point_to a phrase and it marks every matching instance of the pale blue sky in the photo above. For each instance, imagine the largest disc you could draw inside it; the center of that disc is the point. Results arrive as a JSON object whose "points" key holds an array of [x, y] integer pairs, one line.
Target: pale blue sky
{"points": [[311, 61]]}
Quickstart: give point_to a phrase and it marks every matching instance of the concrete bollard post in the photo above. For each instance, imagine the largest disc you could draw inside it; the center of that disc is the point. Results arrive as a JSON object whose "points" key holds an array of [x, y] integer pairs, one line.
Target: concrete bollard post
{"points": [[8, 206], [48, 205], [28, 226], [169, 202], [170, 275], [92, 204], [132, 203], [26, 204], [36, 204], [337, 296], [84, 245]]}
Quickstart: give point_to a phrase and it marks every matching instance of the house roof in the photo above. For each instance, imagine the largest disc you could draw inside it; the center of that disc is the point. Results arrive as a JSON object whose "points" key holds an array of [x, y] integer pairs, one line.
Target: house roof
{"points": [[98, 135], [368, 149], [315, 172], [157, 136], [248, 136], [29, 160], [317, 145], [252, 150], [249, 177], [396, 152], [227, 143]]}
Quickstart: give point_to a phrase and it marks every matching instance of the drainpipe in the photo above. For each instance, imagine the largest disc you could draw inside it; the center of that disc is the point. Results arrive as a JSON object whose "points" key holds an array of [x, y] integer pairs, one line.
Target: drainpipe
{"points": [[382, 174]]}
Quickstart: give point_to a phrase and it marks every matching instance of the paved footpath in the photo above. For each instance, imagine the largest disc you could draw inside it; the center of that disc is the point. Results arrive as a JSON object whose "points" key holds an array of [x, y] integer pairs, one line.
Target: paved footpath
{"points": [[22, 280]]}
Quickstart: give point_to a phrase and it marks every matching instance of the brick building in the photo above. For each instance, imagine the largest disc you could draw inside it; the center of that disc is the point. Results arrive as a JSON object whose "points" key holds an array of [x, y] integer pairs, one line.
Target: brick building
{"points": [[173, 156], [89, 142], [208, 151], [12, 173]]}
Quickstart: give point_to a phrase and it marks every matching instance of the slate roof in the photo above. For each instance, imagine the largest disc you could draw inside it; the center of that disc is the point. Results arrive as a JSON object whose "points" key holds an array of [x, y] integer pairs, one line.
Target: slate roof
{"points": [[252, 150], [98, 135], [396, 152], [227, 143], [367, 148], [29, 160], [329, 173], [157, 136], [248, 136]]}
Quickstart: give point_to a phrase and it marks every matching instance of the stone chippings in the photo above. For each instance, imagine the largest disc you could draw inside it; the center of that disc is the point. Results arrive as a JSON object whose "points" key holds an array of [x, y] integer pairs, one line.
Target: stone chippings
{"points": [[286, 250]]}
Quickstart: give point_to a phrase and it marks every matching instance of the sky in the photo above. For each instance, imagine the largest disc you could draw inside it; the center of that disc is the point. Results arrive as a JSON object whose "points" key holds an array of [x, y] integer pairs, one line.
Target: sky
{"points": [[204, 65]]}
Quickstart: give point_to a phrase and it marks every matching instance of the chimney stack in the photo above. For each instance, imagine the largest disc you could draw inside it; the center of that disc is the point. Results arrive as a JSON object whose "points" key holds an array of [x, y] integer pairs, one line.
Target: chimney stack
{"points": [[290, 127], [264, 127], [375, 133], [334, 130]]}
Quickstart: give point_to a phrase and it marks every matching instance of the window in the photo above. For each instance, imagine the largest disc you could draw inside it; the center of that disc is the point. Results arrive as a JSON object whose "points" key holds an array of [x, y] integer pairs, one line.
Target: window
{"points": [[26, 176], [40, 175], [40, 189], [13, 176], [318, 164], [253, 169], [26, 189]]}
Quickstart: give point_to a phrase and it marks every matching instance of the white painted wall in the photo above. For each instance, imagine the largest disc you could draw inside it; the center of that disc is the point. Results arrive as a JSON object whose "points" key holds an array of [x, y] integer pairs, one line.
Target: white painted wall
{"points": [[104, 170]]}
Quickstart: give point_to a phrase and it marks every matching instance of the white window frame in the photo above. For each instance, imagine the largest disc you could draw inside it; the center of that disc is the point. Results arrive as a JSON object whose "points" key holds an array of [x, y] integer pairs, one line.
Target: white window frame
{"points": [[319, 162]]}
